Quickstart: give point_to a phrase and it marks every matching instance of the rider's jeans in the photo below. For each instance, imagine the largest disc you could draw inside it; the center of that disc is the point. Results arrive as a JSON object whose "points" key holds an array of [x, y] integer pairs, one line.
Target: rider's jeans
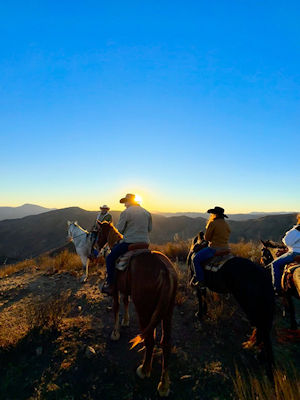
{"points": [[278, 266], [199, 258], [116, 252]]}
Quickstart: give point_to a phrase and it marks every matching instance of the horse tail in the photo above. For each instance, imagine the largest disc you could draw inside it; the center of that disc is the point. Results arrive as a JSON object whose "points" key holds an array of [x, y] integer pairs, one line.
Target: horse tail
{"points": [[167, 289]]}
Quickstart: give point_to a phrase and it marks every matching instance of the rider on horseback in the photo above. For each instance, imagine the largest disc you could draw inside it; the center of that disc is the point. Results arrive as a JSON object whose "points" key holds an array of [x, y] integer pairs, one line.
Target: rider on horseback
{"points": [[217, 234], [103, 215], [135, 224], [292, 241]]}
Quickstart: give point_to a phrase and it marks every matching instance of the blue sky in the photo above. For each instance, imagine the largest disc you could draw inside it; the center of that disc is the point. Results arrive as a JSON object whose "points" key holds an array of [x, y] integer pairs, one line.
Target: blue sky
{"points": [[190, 104]]}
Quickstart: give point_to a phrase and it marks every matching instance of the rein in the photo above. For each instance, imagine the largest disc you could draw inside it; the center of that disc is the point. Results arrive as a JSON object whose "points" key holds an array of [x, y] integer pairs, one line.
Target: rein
{"points": [[81, 234], [74, 237]]}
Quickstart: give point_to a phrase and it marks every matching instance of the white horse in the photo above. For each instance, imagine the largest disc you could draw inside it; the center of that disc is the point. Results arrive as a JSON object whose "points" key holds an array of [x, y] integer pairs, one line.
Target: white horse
{"points": [[82, 240]]}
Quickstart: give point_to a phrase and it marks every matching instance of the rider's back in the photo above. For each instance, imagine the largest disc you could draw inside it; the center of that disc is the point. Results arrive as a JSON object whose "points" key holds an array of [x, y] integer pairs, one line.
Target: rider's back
{"points": [[135, 224], [217, 233]]}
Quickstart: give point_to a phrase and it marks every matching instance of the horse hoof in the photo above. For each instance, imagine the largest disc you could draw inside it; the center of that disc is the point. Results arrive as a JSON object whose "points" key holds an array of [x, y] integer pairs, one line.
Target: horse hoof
{"points": [[83, 279], [124, 323], [115, 336], [163, 391], [141, 374]]}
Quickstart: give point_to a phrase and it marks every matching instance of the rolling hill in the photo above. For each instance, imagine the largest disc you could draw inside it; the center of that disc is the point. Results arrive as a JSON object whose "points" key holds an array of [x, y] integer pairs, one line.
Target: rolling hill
{"points": [[22, 211], [33, 235]]}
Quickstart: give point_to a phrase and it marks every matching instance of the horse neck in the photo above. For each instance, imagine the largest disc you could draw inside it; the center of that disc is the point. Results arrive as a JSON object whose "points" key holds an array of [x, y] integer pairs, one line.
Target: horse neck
{"points": [[113, 237]]}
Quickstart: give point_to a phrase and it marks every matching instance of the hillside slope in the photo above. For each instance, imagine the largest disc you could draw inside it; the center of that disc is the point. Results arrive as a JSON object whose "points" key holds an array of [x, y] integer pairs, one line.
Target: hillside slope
{"points": [[30, 236], [22, 211]]}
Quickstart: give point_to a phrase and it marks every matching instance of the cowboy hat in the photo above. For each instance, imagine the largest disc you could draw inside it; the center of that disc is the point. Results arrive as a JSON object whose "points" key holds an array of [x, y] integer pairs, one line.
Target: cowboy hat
{"points": [[217, 210], [104, 207], [129, 198]]}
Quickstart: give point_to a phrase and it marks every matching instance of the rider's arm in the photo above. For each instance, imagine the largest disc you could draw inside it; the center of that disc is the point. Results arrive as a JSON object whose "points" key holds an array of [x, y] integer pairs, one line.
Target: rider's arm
{"points": [[209, 232], [291, 237], [121, 225], [150, 223]]}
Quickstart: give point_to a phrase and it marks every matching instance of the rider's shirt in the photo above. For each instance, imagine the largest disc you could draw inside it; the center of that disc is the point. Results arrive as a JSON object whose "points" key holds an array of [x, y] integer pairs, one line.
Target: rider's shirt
{"points": [[217, 233], [135, 224], [292, 239], [104, 217]]}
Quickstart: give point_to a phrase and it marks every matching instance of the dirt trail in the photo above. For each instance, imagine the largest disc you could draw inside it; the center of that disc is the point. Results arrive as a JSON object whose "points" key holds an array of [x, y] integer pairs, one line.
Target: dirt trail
{"points": [[55, 364]]}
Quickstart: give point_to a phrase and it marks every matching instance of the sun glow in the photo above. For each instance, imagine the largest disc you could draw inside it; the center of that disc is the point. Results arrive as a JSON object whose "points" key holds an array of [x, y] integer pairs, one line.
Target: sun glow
{"points": [[138, 199]]}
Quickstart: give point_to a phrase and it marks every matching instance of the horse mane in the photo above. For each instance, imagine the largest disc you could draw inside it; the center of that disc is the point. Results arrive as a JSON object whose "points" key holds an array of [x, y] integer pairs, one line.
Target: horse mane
{"points": [[113, 235], [78, 226]]}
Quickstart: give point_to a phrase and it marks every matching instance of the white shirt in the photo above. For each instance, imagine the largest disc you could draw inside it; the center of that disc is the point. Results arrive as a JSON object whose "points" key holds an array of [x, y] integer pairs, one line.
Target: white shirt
{"points": [[135, 224], [292, 239]]}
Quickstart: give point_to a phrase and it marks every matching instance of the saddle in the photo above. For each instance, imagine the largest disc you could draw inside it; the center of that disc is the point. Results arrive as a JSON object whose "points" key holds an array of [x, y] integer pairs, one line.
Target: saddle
{"points": [[215, 263], [291, 278], [135, 249]]}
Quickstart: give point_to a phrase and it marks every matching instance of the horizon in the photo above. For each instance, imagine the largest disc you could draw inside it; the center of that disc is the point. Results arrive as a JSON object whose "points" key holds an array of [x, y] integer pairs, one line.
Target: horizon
{"points": [[153, 211], [188, 105]]}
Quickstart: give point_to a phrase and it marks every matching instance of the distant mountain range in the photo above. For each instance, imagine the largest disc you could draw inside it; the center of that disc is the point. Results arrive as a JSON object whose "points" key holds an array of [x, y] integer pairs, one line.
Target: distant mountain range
{"points": [[22, 211], [36, 234], [235, 217]]}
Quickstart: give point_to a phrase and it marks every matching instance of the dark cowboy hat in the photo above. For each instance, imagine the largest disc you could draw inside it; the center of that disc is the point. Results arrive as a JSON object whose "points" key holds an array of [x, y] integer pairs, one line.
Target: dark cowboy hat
{"points": [[129, 198], [218, 211]]}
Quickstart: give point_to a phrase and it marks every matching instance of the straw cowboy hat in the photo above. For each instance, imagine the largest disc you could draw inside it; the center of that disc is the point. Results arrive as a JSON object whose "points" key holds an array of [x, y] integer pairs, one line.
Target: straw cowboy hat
{"points": [[104, 207], [129, 198], [218, 211]]}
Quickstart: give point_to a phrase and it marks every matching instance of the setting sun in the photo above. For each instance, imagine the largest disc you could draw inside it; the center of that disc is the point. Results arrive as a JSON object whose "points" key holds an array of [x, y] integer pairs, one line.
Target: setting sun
{"points": [[138, 199]]}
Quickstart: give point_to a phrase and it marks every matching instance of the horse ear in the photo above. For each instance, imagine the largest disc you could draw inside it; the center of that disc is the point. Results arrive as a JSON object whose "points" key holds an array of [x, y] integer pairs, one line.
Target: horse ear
{"points": [[262, 241], [69, 223]]}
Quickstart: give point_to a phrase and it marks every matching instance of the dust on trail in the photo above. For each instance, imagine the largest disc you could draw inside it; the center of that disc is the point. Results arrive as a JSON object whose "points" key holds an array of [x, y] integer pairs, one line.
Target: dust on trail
{"points": [[79, 361]]}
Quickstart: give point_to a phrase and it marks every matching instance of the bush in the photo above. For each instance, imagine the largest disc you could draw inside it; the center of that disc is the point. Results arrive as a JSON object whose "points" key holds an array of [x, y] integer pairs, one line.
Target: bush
{"points": [[47, 312]]}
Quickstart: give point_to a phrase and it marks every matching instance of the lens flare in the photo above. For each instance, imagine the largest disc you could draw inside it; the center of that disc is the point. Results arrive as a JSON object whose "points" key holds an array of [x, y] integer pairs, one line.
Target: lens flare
{"points": [[138, 199]]}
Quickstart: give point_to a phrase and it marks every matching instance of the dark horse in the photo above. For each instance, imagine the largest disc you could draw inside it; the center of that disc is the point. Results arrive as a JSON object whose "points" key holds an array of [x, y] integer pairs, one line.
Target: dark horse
{"points": [[151, 281], [269, 252], [250, 285]]}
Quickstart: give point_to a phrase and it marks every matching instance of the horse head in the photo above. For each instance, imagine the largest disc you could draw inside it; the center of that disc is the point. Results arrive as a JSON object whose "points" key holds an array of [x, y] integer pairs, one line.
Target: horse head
{"points": [[70, 230]]}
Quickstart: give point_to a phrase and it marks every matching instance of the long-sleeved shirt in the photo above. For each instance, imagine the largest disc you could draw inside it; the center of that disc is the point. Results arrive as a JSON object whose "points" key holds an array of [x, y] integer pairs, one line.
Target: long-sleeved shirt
{"points": [[104, 217], [292, 239], [135, 224], [217, 233]]}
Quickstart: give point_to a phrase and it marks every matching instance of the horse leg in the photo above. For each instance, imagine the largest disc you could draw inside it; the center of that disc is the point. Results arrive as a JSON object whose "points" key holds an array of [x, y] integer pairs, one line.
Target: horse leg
{"points": [[202, 304], [164, 384], [115, 335], [291, 308], [85, 261], [125, 320], [263, 337], [144, 370]]}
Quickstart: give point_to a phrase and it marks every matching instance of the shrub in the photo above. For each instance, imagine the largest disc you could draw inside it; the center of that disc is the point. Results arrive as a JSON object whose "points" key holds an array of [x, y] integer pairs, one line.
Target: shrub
{"points": [[47, 312], [285, 387]]}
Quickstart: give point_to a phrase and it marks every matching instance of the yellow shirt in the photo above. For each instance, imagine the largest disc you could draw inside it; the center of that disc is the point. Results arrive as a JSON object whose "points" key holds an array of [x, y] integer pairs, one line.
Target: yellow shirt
{"points": [[217, 233]]}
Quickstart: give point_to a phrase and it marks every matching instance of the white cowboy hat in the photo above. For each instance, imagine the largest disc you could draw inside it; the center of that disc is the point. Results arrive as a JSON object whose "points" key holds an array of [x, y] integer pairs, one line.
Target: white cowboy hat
{"points": [[104, 207]]}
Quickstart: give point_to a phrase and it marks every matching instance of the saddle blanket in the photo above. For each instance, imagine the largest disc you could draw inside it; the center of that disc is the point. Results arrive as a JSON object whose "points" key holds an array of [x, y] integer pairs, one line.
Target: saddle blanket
{"points": [[123, 261], [217, 263]]}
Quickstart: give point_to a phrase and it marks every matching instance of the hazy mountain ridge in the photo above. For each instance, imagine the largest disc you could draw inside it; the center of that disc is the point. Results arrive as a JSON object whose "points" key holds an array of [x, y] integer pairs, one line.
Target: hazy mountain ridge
{"points": [[235, 217], [22, 211], [33, 235]]}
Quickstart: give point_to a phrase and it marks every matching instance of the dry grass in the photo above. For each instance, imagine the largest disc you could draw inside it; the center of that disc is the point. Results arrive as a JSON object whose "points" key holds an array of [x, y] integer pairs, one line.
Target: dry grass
{"points": [[174, 250], [12, 268], [64, 261], [249, 250], [183, 287], [286, 386], [47, 312]]}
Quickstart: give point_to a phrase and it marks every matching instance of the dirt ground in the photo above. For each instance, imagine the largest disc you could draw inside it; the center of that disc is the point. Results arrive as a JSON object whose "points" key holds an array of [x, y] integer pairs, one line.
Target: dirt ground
{"points": [[44, 358]]}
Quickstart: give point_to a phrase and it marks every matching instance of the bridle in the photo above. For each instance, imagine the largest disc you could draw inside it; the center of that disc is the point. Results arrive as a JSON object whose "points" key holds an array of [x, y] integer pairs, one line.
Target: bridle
{"points": [[81, 234]]}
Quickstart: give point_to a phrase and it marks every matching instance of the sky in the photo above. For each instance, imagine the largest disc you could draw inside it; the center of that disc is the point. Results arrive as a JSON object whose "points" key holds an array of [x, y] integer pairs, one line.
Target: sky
{"points": [[188, 104]]}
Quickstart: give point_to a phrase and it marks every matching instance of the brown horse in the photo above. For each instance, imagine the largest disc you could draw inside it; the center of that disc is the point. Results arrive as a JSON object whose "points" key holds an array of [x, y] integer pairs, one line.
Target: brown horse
{"points": [[151, 281]]}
